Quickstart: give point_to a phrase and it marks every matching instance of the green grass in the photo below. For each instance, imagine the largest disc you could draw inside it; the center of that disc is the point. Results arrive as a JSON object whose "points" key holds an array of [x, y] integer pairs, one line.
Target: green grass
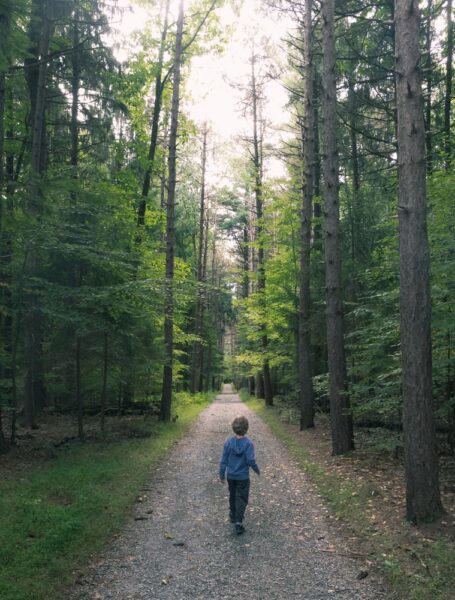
{"points": [[55, 517], [421, 571]]}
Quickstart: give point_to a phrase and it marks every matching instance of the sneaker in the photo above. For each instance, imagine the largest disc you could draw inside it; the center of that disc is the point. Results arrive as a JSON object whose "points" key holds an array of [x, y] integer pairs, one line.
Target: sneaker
{"points": [[239, 528]]}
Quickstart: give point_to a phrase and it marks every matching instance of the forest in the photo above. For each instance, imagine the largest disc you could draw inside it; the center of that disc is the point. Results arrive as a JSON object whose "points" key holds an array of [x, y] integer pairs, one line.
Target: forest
{"points": [[305, 253]]}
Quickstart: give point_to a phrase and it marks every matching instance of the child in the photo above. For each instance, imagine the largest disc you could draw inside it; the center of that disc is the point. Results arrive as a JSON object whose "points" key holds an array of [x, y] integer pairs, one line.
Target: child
{"points": [[237, 458]]}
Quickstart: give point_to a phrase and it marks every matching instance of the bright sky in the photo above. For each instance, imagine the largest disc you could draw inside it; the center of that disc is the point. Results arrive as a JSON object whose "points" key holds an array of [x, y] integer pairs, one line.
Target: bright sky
{"points": [[214, 80], [212, 77]]}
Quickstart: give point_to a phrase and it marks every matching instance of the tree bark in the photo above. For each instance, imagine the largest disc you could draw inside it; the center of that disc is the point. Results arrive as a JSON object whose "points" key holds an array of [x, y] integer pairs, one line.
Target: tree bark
{"points": [[304, 345], [341, 420], [421, 461], [166, 397]]}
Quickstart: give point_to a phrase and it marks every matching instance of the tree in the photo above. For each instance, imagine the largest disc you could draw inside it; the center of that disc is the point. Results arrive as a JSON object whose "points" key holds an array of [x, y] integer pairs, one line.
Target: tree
{"points": [[166, 397], [36, 74], [341, 419], [196, 357], [257, 162], [421, 461], [305, 370], [5, 319]]}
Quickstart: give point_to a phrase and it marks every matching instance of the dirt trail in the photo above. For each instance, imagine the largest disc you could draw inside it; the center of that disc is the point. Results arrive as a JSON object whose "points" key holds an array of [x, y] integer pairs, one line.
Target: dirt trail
{"points": [[185, 548]]}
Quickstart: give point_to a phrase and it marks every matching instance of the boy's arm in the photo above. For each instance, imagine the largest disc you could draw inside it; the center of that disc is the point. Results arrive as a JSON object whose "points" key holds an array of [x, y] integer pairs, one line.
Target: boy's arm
{"points": [[251, 460], [224, 461]]}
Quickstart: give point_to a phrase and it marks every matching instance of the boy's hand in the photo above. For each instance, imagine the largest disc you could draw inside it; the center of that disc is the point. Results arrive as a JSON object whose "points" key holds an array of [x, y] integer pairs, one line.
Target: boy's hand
{"points": [[222, 480]]}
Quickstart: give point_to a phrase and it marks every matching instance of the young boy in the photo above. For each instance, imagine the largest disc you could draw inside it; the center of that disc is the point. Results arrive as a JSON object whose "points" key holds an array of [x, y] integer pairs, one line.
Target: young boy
{"points": [[237, 458]]}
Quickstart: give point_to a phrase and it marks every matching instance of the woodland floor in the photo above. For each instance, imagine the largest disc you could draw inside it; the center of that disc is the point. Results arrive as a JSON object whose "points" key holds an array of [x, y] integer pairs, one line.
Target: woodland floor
{"points": [[179, 543], [383, 474]]}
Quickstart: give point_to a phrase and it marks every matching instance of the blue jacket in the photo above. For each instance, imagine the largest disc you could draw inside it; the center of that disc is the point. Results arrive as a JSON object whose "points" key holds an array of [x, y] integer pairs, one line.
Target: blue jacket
{"points": [[237, 458]]}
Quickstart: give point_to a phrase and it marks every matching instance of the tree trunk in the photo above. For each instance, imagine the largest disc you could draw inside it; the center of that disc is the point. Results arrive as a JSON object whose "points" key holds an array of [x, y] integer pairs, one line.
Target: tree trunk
{"points": [[5, 272], [421, 461], [3, 443], [79, 402], [353, 204], [448, 92], [5, 355], [429, 70], [104, 388], [166, 397], [2, 138], [317, 229], [304, 345], [259, 386], [196, 358], [75, 80], [36, 71], [257, 162], [159, 88], [341, 420]]}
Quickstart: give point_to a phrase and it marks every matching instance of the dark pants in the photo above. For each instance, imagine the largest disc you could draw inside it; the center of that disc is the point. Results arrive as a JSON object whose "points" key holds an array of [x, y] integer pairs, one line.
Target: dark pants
{"points": [[238, 498]]}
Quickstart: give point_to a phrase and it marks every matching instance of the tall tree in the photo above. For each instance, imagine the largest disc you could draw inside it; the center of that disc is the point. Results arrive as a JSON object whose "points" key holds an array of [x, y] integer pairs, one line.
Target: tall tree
{"points": [[74, 161], [305, 370], [423, 500], [257, 158], [36, 75], [166, 396], [341, 419], [5, 24], [196, 358]]}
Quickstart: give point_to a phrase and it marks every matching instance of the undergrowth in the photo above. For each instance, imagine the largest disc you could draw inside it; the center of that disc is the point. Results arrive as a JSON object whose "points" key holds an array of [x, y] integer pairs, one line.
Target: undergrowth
{"points": [[58, 515]]}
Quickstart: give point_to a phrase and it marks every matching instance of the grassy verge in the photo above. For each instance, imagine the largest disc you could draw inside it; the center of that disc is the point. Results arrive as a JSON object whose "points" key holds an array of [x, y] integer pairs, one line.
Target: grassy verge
{"points": [[55, 517], [423, 569]]}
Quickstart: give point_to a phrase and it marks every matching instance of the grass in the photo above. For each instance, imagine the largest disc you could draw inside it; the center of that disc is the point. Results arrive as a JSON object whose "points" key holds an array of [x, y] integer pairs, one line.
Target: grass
{"points": [[56, 516], [423, 570]]}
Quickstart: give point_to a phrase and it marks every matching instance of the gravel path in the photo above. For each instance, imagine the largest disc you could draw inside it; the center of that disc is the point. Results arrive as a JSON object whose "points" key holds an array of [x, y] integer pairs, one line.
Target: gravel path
{"points": [[185, 548]]}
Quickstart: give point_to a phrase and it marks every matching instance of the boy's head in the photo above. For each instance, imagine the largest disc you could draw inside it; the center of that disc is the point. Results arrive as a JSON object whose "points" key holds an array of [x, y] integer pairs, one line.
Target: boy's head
{"points": [[240, 425]]}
